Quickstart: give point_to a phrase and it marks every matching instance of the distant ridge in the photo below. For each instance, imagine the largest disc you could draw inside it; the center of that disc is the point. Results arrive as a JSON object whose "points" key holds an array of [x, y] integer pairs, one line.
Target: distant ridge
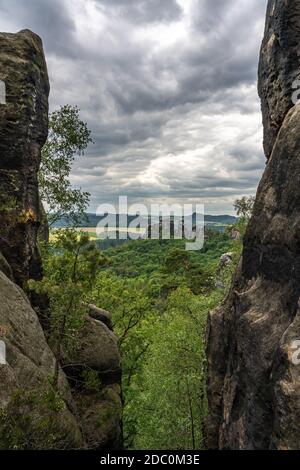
{"points": [[91, 220]]}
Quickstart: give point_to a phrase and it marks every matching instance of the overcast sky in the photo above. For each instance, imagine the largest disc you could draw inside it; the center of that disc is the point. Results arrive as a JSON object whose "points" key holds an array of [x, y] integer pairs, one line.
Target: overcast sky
{"points": [[168, 88]]}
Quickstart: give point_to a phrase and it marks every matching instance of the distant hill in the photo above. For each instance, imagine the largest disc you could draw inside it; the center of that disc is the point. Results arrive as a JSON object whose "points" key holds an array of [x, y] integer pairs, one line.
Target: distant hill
{"points": [[92, 220], [221, 219]]}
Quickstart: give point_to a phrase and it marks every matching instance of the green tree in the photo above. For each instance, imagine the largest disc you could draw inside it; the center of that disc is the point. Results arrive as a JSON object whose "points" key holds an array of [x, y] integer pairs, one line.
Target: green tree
{"points": [[71, 266], [177, 260], [171, 406], [244, 209], [68, 138]]}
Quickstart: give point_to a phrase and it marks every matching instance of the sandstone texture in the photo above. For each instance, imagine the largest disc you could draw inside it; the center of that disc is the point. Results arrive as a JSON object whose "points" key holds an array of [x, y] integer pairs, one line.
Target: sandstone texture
{"points": [[99, 407], [25, 379], [252, 340], [82, 411], [23, 132]]}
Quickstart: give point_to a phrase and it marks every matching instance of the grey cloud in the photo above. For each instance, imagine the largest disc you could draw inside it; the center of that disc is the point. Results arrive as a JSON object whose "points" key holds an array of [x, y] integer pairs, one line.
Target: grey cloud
{"points": [[50, 19], [148, 100], [146, 11]]}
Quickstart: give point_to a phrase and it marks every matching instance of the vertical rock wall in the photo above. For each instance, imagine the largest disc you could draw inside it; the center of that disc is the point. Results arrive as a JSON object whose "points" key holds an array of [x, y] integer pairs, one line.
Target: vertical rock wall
{"points": [[23, 132], [253, 366]]}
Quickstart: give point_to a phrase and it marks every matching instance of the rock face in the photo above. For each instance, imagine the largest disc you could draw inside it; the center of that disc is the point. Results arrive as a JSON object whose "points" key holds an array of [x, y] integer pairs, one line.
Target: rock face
{"points": [[86, 412], [81, 417], [99, 407], [23, 131], [24, 380], [253, 342], [279, 66]]}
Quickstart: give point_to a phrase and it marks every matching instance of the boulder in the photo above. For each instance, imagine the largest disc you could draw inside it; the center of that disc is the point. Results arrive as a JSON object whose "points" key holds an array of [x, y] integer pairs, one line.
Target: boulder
{"points": [[101, 315], [99, 406], [97, 349], [101, 418]]}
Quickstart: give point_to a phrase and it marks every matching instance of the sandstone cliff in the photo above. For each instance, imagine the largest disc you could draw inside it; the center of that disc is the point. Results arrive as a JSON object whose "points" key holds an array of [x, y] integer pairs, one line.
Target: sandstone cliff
{"points": [[253, 371], [32, 416], [23, 131]]}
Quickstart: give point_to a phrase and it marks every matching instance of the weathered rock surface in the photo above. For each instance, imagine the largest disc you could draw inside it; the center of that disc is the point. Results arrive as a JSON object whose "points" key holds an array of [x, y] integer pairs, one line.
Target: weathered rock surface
{"points": [[30, 364], [84, 418], [101, 315], [32, 414], [5, 267], [253, 366], [279, 66], [100, 417], [100, 410], [23, 131], [97, 348]]}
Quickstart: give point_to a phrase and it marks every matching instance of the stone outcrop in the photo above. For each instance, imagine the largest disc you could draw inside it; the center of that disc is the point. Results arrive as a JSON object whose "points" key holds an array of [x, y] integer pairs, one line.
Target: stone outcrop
{"points": [[23, 132], [99, 408], [24, 380], [101, 315], [279, 66], [253, 339], [86, 411]]}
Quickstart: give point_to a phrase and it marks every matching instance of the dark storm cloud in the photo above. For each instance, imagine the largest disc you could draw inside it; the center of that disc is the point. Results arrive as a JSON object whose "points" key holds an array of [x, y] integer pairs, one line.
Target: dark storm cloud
{"points": [[167, 87], [50, 19], [146, 11]]}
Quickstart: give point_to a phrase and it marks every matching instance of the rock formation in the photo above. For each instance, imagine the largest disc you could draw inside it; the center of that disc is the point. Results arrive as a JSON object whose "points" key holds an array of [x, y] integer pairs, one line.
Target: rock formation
{"points": [[32, 415], [99, 410], [24, 380], [23, 131], [253, 360]]}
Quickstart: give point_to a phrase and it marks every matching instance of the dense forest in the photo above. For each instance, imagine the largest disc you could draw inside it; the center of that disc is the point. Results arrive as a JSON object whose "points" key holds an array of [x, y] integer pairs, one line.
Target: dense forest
{"points": [[159, 295]]}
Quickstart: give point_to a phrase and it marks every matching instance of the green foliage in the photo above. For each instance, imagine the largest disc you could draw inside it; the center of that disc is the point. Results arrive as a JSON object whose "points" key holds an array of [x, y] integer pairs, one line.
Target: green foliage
{"points": [[244, 208], [71, 264], [146, 258], [160, 296], [177, 260], [91, 380], [68, 138], [29, 421], [172, 405]]}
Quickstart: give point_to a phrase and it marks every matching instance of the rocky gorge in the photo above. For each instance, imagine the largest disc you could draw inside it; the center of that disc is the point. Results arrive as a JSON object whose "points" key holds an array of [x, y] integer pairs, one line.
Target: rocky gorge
{"points": [[253, 337]]}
